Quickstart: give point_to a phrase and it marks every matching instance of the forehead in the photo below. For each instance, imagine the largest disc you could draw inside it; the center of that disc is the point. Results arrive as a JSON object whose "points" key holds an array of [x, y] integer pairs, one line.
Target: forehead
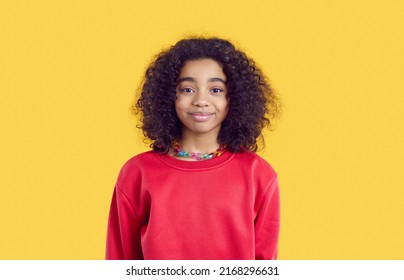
{"points": [[202, 68]]}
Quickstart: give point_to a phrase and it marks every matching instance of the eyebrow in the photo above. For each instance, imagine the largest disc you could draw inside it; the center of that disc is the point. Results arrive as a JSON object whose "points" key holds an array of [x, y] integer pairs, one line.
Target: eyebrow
{"points": [[190, 79]]}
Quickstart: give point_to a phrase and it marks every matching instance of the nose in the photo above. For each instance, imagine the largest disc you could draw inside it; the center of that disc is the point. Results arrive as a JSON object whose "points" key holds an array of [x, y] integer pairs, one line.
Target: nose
{"points": [[200, 100]]}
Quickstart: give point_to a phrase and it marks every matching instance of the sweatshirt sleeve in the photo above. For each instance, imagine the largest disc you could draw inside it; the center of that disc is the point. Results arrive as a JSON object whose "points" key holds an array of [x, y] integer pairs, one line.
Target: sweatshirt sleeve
{"points": [[267, 224], [124, 230]]}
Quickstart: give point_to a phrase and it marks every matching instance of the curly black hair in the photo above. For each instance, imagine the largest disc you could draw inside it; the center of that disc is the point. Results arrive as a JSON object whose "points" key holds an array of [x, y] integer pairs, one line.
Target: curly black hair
{"points": [[252, 102]]}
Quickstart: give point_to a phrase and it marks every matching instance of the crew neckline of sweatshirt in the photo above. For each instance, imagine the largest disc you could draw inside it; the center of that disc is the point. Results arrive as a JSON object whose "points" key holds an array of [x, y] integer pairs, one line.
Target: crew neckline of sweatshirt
{"points": [[196, 165]]}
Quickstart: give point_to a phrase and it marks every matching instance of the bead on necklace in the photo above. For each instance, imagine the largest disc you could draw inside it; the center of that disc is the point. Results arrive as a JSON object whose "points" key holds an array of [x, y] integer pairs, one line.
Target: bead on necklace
{"points": [[178, 152]]}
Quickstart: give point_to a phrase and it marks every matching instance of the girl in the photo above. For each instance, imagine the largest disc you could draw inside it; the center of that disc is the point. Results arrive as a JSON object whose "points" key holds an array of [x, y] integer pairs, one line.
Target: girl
{"points": [[202, 192]]}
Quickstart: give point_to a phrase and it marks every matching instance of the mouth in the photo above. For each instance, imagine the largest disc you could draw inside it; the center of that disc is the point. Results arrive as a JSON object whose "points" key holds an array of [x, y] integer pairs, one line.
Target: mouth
{"points": [[200, 116]]}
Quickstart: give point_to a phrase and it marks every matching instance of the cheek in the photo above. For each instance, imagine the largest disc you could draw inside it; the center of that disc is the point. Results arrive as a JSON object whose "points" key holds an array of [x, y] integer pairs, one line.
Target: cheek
{"points": [[225, 106], [179, 108]]}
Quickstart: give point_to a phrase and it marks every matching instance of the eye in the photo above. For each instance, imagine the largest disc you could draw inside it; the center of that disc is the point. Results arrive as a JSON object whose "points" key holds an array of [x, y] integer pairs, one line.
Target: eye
{"points": [[186, 90], [216, 90]]}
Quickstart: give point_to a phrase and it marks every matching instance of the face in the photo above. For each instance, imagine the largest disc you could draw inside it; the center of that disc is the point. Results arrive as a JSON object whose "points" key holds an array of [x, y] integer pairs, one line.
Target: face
{"points": [[201, 102]]}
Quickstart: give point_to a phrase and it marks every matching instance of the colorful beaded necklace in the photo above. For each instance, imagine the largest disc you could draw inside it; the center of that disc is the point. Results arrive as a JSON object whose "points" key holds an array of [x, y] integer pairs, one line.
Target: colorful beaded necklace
{"points": [[178, 152]]}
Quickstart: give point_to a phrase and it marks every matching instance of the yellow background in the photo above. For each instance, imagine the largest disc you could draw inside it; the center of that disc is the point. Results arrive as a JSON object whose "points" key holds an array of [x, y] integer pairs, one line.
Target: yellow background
{"points": [[68, 71]]}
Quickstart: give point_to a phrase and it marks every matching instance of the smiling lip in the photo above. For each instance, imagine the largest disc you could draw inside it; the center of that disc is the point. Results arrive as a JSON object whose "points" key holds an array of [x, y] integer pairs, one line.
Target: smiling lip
{"points": [[201, 116]]}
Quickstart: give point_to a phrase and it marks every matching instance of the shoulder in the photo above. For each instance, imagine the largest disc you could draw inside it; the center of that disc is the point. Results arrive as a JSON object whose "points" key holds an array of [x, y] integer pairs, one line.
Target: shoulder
{"points": [[258, 170], [254, 161], [262, 176], [137, 163], [140, 159]]}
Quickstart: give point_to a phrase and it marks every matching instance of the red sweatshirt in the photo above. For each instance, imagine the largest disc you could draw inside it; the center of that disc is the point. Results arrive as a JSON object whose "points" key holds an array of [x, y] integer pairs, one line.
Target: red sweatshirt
{"points": [[223, 208]]}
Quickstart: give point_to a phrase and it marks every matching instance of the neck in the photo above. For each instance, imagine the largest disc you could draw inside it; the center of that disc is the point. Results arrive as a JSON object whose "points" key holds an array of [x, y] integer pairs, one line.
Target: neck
{"points": [[199, 143]]}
